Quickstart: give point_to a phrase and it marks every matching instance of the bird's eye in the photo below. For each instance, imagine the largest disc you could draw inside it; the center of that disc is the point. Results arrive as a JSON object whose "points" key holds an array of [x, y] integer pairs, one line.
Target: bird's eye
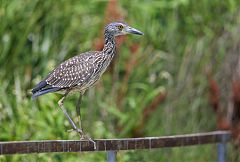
{"points": [[120, 27]]}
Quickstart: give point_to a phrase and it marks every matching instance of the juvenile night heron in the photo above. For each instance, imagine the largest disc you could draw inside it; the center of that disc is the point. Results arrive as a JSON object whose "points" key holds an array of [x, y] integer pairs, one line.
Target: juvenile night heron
{"points": [[80, 72]]}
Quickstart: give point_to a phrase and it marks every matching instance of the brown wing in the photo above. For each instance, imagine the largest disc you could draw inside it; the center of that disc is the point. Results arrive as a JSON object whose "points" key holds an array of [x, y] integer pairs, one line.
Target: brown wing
{"points": [[75, 71]]}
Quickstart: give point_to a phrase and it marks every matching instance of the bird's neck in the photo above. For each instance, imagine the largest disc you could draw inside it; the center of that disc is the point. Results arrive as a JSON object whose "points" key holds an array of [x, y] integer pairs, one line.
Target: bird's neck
{"points": [[109, 44]]}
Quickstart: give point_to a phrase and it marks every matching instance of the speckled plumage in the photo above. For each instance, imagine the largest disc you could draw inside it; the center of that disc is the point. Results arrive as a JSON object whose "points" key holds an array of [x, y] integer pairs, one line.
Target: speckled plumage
{"points": [[79, 72]]}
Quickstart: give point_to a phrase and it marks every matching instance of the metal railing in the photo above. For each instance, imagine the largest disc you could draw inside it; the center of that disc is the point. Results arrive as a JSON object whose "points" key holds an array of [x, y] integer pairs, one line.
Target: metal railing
{"points": [[114, 145]]}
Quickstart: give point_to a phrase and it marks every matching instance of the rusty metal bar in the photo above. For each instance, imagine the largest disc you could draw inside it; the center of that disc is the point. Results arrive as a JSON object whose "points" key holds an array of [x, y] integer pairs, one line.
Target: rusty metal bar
{"points": [[27, 147]]}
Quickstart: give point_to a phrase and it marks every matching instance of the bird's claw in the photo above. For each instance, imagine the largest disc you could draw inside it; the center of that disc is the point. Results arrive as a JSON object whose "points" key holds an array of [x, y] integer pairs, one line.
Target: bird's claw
{"points": [[80, 131], [90, 139], [70, 130], [83, 136]]}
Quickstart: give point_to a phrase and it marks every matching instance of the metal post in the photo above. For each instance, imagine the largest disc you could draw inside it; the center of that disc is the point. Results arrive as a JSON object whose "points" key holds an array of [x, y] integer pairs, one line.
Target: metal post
{"points": [[111, 156], [222, 149]]}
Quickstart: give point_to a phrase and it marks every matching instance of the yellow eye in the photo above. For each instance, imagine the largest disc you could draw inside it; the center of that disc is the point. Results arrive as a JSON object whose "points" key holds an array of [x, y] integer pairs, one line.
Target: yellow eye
{"points": [[120, 27]]}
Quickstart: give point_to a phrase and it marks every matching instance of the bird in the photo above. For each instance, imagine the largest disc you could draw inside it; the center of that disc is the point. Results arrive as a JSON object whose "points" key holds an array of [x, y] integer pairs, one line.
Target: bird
{"points": [[79, 73]]}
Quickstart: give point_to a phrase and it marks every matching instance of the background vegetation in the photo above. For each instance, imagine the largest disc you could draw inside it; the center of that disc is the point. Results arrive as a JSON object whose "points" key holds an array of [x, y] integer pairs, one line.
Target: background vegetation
{"points": [[157, 84]]}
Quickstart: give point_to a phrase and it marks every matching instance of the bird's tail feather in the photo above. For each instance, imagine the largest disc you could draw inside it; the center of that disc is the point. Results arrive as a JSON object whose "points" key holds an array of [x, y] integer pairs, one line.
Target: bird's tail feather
{"points": [[36, 94]]}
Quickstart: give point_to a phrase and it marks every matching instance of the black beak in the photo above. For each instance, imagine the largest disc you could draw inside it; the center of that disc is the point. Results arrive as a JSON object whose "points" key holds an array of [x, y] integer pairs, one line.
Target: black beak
{"points": [[134, 31]]}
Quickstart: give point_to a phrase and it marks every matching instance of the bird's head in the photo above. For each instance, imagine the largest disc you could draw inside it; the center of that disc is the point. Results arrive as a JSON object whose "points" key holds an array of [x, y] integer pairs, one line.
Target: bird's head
{"points": [[119, 28]]}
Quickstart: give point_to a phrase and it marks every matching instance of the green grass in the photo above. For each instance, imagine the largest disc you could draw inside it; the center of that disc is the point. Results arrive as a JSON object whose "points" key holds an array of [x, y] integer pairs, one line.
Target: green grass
{"points": [[183, 39]]}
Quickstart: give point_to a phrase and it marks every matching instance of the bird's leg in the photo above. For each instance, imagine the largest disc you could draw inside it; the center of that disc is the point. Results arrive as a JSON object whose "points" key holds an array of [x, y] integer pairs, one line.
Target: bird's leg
{"points": [[78, 106], [78, 110], [75, 128], [60, 103]]}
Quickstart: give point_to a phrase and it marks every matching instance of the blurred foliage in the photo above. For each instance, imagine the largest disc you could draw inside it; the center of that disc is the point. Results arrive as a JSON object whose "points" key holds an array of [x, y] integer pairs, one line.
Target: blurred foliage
{"points": [[183, 39]]}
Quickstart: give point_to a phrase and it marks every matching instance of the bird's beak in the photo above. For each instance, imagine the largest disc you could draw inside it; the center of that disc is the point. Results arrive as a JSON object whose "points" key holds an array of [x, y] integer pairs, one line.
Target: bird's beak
{"points": [[133, 31]]}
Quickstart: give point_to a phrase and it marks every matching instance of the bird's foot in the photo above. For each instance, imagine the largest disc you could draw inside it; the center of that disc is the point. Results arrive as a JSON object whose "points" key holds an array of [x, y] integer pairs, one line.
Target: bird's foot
{"points": [[83, 136], [79, 131]]}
